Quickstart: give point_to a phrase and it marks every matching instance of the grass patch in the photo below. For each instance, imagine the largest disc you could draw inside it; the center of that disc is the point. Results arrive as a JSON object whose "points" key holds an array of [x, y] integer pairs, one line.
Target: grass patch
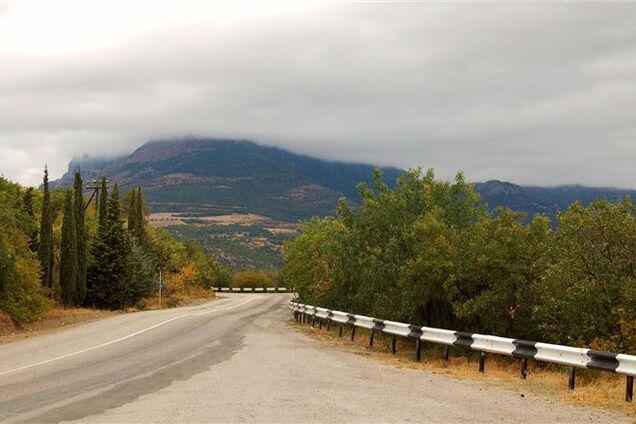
{"points": [[593, 388]]}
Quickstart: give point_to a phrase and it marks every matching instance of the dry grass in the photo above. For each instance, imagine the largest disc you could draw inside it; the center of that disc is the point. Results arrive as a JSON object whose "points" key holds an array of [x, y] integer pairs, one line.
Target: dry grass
{"points": [[593, 388], [192, 296]]}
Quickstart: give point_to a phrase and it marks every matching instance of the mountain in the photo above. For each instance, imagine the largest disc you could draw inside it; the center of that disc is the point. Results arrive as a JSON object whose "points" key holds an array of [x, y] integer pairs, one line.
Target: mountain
{"points": [[211, 177], [544, 200], [242, 200]]}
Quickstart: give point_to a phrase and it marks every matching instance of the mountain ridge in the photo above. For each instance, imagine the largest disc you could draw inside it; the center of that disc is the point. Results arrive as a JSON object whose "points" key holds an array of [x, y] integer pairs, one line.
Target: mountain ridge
{"points": [[242, 200]]}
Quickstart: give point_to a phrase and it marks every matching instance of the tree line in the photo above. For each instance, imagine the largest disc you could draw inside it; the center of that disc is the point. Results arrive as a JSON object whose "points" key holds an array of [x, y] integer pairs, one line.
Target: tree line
{"points": [[430, 252], [54, 250]]}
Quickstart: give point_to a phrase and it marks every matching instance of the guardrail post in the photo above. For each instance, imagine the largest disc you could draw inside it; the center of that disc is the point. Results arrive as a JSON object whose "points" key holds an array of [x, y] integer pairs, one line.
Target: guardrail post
{"points": [[446, 352], [320, 323], [629, 388], [482, 361], [394, 344], [328, 325], [524, 368], [313, 321], [418, 349], [371, 338], [572, 378], [340, 331], [353, 332]]}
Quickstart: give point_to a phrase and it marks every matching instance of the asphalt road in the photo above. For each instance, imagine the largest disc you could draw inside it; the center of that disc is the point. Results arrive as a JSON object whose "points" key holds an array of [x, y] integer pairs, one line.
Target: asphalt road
{"points": [[236, 360]]}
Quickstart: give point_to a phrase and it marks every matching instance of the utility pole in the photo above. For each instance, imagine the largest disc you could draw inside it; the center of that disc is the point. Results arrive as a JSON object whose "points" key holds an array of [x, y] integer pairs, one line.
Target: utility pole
{"points": [[160, 285], [94, 186]]}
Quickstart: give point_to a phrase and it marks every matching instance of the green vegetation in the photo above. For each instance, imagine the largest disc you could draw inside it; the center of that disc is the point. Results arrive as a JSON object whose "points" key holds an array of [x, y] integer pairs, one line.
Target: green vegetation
{"points": [[252, 278], [429, 252], [238, 247], [21, 293], [92, 257]]}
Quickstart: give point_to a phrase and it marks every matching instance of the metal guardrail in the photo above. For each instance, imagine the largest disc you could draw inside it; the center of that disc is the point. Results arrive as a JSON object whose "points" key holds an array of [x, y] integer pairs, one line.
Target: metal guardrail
{"points": [[249, 289], [522, 349]]}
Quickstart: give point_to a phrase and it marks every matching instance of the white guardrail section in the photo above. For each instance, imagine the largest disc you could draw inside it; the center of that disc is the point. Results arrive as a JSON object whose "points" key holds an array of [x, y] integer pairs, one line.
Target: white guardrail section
{"points": [[249, 289], [545, 352]]}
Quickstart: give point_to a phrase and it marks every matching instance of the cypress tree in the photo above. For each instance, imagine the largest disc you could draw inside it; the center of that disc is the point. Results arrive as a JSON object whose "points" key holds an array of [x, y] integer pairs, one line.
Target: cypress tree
{"points": [[68, 258], [136, 220], [141, 219], [108, 274], [32, 225], [132, 213], [80, 234], [103, 206], [45, 249]]}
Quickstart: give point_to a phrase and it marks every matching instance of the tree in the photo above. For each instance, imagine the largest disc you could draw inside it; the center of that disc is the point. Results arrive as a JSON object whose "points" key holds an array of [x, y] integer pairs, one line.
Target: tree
{"points": [[140, 274], [497, 264], [136, 219], [21, 291], [29, 210], [45, 249], [103, 206], [588, 292], [108, 275], [68, 258], [80, 234]]}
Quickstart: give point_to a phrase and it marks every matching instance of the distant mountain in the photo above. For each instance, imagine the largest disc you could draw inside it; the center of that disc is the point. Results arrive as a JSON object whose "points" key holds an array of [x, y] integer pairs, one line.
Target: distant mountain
{"points": [[210, 176], [242, 200], [544, 200]]}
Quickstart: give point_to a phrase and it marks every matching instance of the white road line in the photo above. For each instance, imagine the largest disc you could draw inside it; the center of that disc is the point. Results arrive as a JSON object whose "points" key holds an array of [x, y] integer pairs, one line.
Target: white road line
{"points": [[136, 333]]}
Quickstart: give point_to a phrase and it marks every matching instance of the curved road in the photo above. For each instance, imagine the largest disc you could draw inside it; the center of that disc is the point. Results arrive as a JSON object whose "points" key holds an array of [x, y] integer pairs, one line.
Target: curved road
{"points": [[236, 360]]}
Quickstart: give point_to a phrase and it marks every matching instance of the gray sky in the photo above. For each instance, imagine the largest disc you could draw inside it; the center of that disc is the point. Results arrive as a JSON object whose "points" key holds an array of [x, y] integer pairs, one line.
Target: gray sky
{"points": [[534, 94]]}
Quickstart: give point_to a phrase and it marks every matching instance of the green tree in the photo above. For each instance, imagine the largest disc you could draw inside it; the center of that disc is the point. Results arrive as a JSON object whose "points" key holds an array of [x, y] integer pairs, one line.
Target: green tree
{"points": [[68, 258], [140, 274], [45, 249], [498, 263], [136, 218], [103, 206], [108, 275], [21, 292], [81, 236], [588, 293], [29, 210]]}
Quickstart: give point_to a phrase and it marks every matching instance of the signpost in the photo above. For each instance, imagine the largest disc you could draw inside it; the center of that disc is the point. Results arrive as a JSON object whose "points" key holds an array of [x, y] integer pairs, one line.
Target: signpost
{"points": [[160, 286]]}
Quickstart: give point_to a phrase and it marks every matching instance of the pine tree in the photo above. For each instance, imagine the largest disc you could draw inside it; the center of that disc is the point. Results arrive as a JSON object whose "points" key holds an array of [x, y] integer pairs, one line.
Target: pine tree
{"points": [[108, 275], [68, 259], [45, 249], [103, 205], [80, 234]]}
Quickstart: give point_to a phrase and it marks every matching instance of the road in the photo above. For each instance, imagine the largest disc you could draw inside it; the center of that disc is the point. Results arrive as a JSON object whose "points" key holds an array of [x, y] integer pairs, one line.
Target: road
{"points": [[236, 360]]}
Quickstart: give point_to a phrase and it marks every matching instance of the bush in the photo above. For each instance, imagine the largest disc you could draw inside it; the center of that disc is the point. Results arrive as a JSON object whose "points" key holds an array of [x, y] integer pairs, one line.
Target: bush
{"points": [[252, 279]]}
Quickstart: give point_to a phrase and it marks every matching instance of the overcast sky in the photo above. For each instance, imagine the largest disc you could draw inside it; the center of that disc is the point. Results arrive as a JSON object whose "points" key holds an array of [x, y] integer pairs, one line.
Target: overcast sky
{"points": [[534, 94]]}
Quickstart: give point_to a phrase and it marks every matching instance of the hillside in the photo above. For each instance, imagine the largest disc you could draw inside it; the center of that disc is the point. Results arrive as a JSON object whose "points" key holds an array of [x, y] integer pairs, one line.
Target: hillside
{"points": [[212, 177], [242, 200], [544, 200]]}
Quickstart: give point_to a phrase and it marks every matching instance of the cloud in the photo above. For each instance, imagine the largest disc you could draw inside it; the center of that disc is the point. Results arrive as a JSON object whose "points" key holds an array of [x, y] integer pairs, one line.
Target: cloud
{"points": [[536, 94]]}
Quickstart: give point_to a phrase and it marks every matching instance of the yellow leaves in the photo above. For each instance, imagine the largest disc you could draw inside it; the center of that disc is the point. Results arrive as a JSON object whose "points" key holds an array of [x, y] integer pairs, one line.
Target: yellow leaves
{"points": [[183, 280]]}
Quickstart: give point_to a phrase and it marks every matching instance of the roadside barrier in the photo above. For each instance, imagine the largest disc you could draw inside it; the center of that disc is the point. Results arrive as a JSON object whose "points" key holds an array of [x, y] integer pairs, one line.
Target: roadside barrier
{"points": [[249, 289], [524, 350]]}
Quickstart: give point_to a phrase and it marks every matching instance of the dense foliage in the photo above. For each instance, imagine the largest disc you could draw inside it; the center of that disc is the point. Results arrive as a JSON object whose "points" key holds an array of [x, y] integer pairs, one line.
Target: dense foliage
{"points": [[430, 253], [21, 293], [55, 250]]}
